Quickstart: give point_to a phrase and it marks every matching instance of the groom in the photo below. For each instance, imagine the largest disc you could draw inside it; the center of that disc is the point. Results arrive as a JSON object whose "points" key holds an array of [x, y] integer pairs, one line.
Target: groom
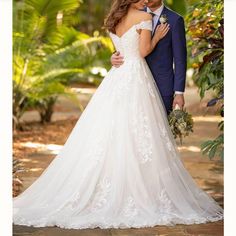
{"points": [[168, 61]]}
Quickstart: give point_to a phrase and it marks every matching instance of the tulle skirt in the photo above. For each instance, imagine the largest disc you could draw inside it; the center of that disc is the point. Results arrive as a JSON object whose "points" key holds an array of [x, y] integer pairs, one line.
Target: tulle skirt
{"points": [[120, 167]]}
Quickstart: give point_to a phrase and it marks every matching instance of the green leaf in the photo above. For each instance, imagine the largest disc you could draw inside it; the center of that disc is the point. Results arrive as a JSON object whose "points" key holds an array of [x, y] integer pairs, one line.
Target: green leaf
{"points": [[212, 151]]}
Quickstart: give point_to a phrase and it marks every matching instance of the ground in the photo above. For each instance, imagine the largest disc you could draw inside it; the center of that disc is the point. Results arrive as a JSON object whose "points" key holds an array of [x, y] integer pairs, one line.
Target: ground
{"points": [[37, 145]]}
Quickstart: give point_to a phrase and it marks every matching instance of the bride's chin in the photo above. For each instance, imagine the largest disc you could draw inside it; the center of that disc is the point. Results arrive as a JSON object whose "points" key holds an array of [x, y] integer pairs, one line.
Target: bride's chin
{"points": [[139, 7]]}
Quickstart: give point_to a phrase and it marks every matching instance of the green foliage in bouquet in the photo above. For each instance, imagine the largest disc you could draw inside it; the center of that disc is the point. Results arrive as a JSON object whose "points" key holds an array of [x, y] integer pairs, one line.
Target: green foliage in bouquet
{"points": [[181, 123]]}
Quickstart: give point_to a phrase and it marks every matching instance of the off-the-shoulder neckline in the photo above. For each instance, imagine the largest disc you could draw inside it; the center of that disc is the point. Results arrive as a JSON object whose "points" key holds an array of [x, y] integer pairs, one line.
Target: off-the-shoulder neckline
{"points": [[130, 28]]}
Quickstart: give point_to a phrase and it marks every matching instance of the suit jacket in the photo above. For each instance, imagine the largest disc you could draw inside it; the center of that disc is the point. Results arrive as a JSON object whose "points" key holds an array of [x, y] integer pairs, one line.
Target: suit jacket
{"points": [[170, 49]]}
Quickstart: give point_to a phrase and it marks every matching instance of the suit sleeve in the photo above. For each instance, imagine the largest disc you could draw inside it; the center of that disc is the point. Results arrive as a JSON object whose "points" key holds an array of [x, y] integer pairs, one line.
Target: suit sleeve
{"points": [[179, 54]]}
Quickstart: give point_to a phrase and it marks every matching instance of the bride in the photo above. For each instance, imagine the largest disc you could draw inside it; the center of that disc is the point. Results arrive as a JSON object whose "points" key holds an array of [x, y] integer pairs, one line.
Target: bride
{"points": [[120, 167]]}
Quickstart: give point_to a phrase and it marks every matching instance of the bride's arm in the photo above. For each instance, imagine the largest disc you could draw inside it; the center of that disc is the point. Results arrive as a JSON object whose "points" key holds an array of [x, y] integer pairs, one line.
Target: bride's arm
{"points": [[148, 43]]}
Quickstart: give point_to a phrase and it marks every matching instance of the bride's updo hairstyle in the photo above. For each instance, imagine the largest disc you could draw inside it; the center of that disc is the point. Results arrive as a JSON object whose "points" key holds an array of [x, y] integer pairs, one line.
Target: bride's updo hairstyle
{"points": [[118, 10]]}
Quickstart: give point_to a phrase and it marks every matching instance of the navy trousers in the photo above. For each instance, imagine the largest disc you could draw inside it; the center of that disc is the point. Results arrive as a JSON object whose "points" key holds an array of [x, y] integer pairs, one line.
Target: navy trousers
{"points": [[168, 102]]}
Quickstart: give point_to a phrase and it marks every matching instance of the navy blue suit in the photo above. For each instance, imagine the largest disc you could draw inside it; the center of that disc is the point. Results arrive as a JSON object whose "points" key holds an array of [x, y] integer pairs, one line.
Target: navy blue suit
{"points": [[171, 49]]}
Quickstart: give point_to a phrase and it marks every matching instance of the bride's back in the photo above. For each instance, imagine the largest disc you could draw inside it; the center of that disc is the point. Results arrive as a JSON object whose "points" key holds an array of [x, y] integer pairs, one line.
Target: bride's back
{"points": [[133, 17], [126, 37]]}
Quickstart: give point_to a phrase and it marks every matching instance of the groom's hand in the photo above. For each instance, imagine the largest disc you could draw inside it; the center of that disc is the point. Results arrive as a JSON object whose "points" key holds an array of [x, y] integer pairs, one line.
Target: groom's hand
{"points": [[116, 59], [178, 100]]}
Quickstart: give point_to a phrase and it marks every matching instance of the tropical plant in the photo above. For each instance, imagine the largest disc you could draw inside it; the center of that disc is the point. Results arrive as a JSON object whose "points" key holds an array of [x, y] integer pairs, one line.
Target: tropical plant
{"points": [[215, 147], [206, 40], [179, 6], [48, 53]]}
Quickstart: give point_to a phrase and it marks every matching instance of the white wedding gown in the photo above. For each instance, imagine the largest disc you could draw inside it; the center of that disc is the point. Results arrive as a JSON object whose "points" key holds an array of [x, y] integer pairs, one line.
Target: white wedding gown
{"points": [[120, 167]]}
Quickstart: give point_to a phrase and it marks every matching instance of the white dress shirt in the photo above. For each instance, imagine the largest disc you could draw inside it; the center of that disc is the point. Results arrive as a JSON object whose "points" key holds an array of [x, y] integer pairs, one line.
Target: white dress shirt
{"points": [[157, 14]]}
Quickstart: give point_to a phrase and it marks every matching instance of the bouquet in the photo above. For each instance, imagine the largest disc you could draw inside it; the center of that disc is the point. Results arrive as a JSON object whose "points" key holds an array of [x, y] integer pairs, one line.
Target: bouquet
{"points": [[181, 123]]}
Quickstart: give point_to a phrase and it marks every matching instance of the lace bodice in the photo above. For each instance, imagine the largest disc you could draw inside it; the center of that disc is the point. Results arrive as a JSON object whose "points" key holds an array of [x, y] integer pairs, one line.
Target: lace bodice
{"points": [[128, 43]]}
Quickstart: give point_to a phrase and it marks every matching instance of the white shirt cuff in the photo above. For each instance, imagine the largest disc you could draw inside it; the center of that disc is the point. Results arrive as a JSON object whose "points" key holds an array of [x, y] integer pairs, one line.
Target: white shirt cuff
{"points": [[178, 92]]}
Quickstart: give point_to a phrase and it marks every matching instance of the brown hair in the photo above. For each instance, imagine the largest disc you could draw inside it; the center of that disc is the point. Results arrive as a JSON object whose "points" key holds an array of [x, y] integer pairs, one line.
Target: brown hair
{"points": [[118, 10]]}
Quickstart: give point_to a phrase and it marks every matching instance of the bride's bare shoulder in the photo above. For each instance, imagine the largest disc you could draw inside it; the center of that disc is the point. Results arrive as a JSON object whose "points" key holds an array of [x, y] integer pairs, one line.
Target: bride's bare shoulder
{"points": [[141, 16]]}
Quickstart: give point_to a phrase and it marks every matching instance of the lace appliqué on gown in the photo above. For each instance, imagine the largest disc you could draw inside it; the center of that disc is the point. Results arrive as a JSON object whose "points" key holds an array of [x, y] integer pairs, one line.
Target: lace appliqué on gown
{"points": [[165, 203], [101, 196], [142, 136], [130, 210]]}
